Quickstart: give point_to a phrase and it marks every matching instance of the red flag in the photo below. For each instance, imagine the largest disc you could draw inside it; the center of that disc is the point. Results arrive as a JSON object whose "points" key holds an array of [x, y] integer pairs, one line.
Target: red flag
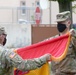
{"points": [[57, 47]]}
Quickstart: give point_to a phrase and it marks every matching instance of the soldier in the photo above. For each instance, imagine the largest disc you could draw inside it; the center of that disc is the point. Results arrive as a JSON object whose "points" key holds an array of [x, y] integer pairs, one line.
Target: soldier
{"points": [[10, 60], [68, 65]]}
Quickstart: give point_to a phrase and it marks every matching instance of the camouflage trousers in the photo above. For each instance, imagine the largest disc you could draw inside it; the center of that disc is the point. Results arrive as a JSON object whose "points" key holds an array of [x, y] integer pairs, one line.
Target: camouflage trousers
{"points": [[65, 73]]}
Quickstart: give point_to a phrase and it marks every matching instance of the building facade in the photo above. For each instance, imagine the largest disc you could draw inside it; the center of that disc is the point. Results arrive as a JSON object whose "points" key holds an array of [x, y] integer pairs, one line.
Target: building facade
{"points": [[24, 10], [17, 16]]}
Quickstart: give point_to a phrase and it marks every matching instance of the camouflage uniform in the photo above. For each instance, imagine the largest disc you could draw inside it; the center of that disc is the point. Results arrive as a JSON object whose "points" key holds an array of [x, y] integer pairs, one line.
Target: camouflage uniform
{"points": [[68, 65], [10, 60]]}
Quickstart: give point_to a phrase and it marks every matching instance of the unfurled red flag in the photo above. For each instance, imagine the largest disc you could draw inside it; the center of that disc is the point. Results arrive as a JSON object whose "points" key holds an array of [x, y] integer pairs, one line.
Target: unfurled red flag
{"points": [[57, 47]]}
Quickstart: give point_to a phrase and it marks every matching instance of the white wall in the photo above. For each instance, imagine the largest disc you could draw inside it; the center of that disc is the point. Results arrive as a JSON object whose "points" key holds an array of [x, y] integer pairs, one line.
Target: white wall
{"points": [[9, 3], [18, 35], [8, 10], [6, 15], [45, 16], [74, 14], [15, 3], [49, 15], [54, 11], [29, 3]]}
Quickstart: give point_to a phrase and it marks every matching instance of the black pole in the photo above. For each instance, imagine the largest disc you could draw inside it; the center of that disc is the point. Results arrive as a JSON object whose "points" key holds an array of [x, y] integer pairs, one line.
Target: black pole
{"points": [[71, 15]]}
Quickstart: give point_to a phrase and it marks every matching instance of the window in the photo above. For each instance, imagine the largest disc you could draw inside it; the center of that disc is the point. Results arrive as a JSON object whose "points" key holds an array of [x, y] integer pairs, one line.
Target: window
{"points": [[37, 3], [23, 8]]}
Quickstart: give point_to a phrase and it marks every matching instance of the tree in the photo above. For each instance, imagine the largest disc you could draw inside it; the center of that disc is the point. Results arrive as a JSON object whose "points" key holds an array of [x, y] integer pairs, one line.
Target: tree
{"points": [[64, 5], [74, 8]]}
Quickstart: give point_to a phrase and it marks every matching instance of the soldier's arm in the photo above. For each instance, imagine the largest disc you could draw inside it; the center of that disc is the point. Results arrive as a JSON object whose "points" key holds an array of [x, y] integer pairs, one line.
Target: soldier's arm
{"points": [[73, 34], [29, 64]]}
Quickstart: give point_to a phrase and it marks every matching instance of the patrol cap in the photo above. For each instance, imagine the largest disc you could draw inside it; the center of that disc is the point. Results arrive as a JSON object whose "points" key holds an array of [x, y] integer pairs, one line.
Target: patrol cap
{"points": [[2, 31], [63, 16]]}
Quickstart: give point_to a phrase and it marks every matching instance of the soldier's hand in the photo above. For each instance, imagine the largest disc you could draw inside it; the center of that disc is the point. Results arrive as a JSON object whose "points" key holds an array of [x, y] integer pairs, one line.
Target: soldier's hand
{"points": [[72, 32], [47, 57]]}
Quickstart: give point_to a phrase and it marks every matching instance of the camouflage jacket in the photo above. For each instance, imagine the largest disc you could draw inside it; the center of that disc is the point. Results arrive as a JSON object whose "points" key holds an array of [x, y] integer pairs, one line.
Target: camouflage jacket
{"points": [[10, 60], [68, 64]]}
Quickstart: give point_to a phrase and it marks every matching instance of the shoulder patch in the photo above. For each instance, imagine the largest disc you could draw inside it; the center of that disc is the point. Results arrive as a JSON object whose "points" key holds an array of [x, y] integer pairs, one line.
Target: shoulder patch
{"points": [[12, 55]]}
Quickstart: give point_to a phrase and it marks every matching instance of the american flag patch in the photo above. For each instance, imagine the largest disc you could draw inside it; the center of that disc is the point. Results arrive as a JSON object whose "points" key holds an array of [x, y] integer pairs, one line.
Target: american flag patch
{"points": [[12, 55]]}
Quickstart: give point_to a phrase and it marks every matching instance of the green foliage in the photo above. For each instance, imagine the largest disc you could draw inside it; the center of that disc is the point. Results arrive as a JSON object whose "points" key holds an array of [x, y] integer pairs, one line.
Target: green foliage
{"points": [[63, 0], [64, 4]]}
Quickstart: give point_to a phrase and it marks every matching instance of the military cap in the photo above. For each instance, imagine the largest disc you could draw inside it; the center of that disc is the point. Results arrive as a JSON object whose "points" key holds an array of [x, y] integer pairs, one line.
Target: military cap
{"points": [[63, 16], [2, 31]]}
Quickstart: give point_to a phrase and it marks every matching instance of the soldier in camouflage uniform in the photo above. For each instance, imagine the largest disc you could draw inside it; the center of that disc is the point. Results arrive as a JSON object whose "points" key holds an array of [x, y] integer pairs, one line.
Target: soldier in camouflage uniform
{"points": [[10, 60], [68, 65]]}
